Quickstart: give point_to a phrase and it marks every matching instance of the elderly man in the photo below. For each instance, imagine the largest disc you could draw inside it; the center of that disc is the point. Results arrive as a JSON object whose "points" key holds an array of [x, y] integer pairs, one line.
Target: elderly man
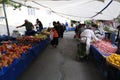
{"points": [[29, 27]]}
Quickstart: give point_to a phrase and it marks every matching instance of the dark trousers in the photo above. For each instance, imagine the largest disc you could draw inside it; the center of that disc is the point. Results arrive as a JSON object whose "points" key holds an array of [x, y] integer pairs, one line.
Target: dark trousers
{"points": [[30, 33], [54, 41]]}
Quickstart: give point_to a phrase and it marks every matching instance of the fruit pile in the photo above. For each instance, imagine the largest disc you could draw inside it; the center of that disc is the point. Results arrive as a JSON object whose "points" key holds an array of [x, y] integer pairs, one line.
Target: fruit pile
{"points": [[105, 47], [11, 50], [114, 59], [45, 32], [28, 40], [8, 52], [41, 36]]}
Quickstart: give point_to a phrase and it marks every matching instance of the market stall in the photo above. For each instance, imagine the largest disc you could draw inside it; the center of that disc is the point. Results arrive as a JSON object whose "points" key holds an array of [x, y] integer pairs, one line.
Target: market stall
{"points": [[103, 55], [113, 63], [16, 55], [70, 28]]}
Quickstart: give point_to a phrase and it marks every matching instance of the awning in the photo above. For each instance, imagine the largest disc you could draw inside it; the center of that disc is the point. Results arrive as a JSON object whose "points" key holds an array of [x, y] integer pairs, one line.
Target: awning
{"points": [[78, 9]]}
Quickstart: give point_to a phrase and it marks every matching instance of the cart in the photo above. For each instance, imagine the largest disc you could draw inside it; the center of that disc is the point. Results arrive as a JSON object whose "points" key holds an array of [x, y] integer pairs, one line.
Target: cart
{"points": [[81, 48]]}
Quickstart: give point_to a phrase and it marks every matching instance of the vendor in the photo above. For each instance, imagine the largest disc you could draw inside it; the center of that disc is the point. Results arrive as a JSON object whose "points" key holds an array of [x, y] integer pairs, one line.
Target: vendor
{"points": [[39, 25], [89, 34], [29, 28]]}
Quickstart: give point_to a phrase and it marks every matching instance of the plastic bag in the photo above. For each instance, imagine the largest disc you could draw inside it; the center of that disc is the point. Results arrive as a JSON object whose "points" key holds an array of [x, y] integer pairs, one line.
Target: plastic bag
{"points": [[51, 35]]}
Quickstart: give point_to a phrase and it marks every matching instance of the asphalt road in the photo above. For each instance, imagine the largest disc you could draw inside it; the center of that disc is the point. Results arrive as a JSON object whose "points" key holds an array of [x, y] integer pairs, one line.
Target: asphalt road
{"points": [[60, 64]]}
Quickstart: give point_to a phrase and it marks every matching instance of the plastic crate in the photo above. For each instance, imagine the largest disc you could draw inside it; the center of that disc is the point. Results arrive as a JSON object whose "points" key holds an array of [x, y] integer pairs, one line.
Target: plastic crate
{"points": [[4, 38], [28, 59], [113, 73], [6, 73], [35, 50]]}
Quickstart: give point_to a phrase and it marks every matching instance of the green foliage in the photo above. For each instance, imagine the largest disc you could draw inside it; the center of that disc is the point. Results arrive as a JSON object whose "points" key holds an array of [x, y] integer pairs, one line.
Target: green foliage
{"points": [[73, 21], [87, 22], [106, 29], [118, 20], [5, 1], [15, 5]]}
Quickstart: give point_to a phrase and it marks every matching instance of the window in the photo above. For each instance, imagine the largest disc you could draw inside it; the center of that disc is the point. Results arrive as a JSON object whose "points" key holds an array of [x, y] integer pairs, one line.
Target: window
{"points": [[31, 11]]}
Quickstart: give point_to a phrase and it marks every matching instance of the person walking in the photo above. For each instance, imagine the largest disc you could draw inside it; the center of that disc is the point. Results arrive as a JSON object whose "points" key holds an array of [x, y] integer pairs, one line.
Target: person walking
{"points": [[54, 39]]}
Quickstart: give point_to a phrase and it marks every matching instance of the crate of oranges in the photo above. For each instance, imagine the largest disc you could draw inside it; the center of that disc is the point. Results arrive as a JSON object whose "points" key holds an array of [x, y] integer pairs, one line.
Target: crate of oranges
{"points": [[114, 60]]}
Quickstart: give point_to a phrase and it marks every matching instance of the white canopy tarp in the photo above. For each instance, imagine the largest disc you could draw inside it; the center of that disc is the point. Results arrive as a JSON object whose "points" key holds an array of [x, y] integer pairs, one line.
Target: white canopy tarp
{"points": [[78, 9]]}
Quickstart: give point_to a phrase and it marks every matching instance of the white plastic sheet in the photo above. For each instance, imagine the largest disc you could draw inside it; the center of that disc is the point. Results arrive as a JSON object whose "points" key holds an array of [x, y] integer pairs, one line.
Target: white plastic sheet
{"points": [[78, 9]]}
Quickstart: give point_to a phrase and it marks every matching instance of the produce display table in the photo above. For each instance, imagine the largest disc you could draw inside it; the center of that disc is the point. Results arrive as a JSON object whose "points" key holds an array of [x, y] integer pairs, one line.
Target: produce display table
{"points": [[99, 59], [3, 38], [39, 47], [107, 69], [70, 28], [113, 63], [18, 65]]}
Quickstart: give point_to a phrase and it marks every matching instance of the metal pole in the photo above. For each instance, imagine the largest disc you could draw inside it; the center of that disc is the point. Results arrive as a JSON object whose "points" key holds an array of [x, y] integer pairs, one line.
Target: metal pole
{"points": [[6, 19], [103, 9]]}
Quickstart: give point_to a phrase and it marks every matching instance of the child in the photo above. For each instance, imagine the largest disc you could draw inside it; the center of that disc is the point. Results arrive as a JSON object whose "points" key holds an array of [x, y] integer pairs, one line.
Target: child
{"points": [[54, 37]]}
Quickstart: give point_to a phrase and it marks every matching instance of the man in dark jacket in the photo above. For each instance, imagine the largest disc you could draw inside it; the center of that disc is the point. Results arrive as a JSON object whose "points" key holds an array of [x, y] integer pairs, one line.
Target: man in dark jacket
{"points": [[29, 27], [39, 25]]}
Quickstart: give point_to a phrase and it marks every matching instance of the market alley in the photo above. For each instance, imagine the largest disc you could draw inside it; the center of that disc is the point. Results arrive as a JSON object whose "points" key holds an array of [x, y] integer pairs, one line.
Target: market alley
{"points": [[60, 63]]}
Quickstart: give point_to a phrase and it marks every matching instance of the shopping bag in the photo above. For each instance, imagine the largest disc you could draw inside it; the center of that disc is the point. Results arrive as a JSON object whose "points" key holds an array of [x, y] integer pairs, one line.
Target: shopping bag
{"points": [[51, 35]]}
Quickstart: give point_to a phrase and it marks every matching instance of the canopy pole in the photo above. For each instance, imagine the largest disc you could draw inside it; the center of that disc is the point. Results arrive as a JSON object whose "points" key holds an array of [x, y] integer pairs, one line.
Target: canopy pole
{"points": [[6, 18], [102, 9]]}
